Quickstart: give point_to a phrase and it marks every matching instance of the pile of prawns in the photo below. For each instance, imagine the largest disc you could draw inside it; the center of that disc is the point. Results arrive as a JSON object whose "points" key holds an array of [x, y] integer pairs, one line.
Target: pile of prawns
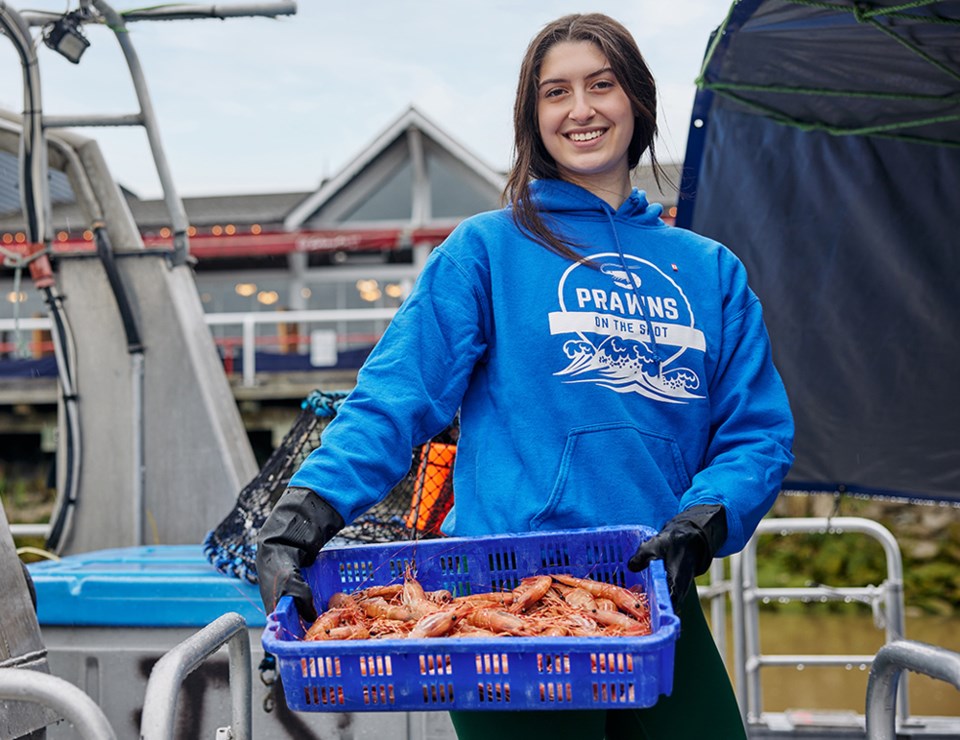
{"points": [[554, 605]]}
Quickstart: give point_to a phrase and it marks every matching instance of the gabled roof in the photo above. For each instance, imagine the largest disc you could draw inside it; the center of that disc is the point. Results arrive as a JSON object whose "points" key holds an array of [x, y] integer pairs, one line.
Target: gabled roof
{"points": [[410, 141], [259, 208]]}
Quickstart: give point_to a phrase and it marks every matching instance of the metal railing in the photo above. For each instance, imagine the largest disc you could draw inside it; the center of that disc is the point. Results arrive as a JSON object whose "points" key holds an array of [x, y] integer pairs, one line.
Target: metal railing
{"points": [[246, 337], [247, 324], [166, 678], [885, 599], [61, 696], [888, 664]]}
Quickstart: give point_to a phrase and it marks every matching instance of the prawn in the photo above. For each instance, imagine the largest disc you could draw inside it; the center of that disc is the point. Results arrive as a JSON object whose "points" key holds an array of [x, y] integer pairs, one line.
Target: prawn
{"points": [[436, 624], [341, 600], [384, 592], [629, 625], [491, 598], [580, 598], [529, 592], [496, 620], [605, 605], [347, 632], [414, 597], [379, 607], [628, 601], [323, 624]]}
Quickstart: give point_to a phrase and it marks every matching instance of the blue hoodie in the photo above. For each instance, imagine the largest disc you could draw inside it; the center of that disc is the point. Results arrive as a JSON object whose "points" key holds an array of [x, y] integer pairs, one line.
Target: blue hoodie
{"points": [[618, 393]]}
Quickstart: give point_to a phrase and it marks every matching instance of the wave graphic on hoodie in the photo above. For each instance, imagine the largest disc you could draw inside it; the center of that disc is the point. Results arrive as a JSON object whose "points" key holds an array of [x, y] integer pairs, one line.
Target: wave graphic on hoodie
{"points": [[627, 366]]}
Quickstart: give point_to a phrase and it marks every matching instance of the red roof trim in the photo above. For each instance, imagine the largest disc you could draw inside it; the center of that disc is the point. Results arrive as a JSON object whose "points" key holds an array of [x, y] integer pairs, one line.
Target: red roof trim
{"points": [[274, 243]]}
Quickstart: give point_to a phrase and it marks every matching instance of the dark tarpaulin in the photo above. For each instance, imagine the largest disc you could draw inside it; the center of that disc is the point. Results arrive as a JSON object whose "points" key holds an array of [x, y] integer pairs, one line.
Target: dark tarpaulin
{"points": [[852, 242]]}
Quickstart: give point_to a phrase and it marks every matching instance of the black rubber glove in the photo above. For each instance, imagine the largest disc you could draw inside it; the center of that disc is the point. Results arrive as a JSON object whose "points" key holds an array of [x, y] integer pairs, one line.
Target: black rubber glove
{"points": [[299, 525], [686, 545]]}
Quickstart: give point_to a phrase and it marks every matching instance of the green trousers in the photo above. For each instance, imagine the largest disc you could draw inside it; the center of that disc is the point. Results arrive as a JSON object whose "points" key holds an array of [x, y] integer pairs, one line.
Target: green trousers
{"points": [[702, 704]]}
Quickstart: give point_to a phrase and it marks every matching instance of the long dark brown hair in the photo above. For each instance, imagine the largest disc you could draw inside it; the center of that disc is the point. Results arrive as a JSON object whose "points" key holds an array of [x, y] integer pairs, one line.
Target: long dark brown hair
{"points": [[531, 160]]}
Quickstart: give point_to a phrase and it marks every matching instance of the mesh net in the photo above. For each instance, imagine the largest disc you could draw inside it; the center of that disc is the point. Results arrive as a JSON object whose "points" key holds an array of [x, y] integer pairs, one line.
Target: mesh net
{"points": [[415, 507]]}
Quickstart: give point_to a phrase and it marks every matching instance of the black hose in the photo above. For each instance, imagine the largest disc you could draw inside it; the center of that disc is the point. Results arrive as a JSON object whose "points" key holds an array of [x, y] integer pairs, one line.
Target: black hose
{"points": [[105, 253], [63, 345]]}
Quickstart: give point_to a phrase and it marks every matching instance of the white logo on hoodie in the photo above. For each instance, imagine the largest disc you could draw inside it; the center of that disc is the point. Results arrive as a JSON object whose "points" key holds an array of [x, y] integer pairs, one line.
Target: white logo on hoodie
{"points": [[633, 324]]}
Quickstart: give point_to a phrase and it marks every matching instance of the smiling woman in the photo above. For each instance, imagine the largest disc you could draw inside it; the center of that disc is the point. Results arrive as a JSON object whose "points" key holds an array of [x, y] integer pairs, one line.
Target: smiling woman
{"points": [[605, 369]]}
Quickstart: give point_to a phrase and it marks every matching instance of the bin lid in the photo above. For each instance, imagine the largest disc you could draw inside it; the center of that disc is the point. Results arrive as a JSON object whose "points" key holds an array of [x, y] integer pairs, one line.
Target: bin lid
{"points": [[151, 586]]}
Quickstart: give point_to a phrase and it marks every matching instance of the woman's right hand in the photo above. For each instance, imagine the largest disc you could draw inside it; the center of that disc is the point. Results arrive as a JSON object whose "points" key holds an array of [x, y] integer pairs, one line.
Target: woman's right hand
{"points": [[300, 524]]}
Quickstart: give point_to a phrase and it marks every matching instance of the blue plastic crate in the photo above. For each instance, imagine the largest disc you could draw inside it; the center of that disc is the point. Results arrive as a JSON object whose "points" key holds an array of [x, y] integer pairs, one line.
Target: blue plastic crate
{"points": [[460, 673]]}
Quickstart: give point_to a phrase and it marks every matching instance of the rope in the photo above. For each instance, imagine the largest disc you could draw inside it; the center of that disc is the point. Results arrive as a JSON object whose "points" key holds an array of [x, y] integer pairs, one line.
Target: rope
{"points": [[827, 92], [324, 403], [880, 129], [894, 8], [863, 10], [916, 50], [866, 14]]}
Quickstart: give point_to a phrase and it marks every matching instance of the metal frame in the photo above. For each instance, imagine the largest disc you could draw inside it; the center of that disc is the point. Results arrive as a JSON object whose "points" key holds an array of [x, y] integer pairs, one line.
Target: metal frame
{"points": [[145, 117], [167, 676], [748, 659], [59, 695], [888, 664]]}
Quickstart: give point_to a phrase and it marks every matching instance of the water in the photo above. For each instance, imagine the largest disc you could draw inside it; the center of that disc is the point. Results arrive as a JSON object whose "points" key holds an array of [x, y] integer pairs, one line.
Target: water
{"points": [[839, 688]]}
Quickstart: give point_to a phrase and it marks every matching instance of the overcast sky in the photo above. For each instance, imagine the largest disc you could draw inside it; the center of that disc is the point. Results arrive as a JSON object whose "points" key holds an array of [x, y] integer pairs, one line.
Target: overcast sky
{"points": [[270, 105]]}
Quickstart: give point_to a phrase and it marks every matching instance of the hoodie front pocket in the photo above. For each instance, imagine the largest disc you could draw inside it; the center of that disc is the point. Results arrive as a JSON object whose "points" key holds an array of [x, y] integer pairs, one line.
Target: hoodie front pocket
{"points": [[614, 474]]}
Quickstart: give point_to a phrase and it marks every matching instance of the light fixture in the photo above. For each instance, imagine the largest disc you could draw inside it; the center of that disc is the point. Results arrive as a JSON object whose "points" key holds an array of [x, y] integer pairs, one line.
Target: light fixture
{"points": [[268, 297], [65, 37], [245, 289]]}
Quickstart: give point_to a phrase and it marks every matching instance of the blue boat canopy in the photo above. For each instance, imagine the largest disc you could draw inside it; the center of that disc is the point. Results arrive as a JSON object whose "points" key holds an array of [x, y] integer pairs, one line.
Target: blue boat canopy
{"points": [[824, 150]]}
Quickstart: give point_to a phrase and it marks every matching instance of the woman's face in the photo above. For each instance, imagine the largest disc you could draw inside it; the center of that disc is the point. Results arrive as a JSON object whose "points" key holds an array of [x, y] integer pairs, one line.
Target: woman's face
{"points": [[585, 118]]}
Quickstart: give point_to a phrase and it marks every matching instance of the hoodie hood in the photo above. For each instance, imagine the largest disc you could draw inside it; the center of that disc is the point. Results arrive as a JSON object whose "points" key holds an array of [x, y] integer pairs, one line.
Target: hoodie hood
{"points": [[561, 197]]}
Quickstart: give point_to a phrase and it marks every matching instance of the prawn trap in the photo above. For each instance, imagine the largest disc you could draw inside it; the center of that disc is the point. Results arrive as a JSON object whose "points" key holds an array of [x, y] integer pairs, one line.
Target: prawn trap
{"points": [[470, 672]]}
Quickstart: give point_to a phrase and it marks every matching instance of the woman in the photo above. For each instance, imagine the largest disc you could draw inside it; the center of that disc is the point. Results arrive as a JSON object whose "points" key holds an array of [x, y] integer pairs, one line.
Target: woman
{"points": [[608, 369]]}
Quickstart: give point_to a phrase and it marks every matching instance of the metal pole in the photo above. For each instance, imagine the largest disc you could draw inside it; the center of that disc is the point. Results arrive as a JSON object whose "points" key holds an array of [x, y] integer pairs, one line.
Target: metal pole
{"points": [[138, 420], [167, 676], [178, 215], [34, 189], [883, 682], [196, 12], [249, 352], [751, 631], [718, 607], [736, 620], [61, 696]]}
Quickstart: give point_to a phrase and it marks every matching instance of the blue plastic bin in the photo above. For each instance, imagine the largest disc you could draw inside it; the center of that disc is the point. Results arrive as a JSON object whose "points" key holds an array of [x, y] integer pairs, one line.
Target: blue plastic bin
{"points": [[459, 673], [147, 586]]}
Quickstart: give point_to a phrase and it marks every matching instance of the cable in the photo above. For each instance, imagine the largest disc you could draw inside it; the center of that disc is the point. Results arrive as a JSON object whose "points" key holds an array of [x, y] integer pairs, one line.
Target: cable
{"points": [[65, 352]]}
